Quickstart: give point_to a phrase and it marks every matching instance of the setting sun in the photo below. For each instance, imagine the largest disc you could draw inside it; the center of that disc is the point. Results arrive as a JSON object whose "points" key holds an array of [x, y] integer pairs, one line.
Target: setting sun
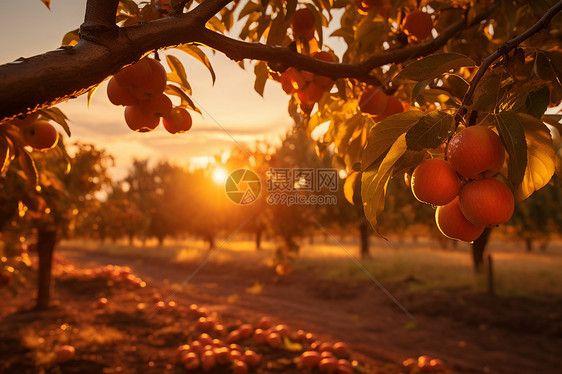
{"points": [[219, 176]]}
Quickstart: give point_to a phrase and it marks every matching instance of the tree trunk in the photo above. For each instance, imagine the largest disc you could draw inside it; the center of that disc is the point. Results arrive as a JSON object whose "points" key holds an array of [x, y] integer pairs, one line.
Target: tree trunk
{"points": [[529, 244], [364, 235], [46, 240], [258, 239], [161, 241], [478, 247], [211, 241], [131, 239]]}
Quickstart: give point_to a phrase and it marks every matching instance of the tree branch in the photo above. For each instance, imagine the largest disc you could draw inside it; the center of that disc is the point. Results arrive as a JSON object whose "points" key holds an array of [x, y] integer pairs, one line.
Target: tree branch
{"points": [[100, 17], [56, 76], [238, 50], [504, 50]]}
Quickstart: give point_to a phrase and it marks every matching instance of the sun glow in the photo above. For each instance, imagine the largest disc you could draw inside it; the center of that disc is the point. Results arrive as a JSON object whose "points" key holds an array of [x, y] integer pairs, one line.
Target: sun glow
{"points": [[219, 176]]}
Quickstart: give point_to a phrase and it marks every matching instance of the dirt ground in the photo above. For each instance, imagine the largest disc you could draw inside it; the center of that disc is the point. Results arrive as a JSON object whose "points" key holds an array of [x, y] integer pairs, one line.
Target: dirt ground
{"points": [[470, 332]]}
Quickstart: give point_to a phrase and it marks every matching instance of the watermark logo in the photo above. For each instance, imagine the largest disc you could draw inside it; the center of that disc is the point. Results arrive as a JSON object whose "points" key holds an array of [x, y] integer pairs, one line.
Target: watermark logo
{"points": [[243, 186]]}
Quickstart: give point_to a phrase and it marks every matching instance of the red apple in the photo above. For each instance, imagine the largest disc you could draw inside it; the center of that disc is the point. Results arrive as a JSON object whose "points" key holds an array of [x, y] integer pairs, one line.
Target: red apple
{"points": [[435, 182], [454, 225], [486, 202], [476, 151]]}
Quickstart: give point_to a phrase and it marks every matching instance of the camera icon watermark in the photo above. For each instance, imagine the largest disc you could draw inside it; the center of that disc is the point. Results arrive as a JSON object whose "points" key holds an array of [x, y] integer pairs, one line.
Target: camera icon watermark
{"points": [[285, 186], [243, 186]]}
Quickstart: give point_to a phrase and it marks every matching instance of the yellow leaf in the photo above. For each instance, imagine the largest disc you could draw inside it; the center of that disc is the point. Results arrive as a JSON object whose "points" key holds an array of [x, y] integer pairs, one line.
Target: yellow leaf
{"points": [[256, 289], [541, 157]]}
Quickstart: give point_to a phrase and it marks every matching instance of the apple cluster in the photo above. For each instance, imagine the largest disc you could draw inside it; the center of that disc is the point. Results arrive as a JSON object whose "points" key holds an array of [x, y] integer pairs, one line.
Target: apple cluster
{"points": [[374, 102], [309, 87], [228, 350], [140, 89], [466, 205], [38, 133], [114, 273]]}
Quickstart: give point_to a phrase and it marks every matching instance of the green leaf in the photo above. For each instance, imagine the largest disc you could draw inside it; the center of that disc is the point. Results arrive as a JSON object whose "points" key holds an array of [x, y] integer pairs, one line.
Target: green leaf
{"points": [[55, 114], [541, 157], [197, 53], [433, 66], [513, 139], [418, 88], [262, 75], [537, 102], [374, 181], [384, 134], [487, 93], [177, 74], [430, 131], [186, 101], [345, 130]]}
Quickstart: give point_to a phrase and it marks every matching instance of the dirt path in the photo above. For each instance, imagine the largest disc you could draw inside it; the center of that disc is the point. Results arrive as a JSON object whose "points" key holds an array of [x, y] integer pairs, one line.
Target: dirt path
{"points": [[471, 333]]}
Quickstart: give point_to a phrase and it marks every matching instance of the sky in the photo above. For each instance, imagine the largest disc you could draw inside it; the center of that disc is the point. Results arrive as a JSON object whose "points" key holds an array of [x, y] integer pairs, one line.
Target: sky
{"points": [[231, 108]]}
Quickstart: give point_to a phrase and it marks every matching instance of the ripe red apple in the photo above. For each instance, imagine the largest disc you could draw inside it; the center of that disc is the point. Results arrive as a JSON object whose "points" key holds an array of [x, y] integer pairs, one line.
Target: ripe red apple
{"points": [[204, 324], [191, 361], [119, 95], [64, 354], [40, 135], [486, 202], [310, 359], [341, 350], [476, 151], [393, 106], [233, 337], [222, 355], [251, 358], [274, 340], [260, 336], [145, 79], [177, 121], [239, 367], [264, 323], [311, 94], [435, 182], [373, 101], [208, 360], [245, 331], [328, 365], [159, 105], [303, 24], [140, 120], [205, 339], [344, 367], [101, 303], [454, 225], [418, 24], [235, 355]]}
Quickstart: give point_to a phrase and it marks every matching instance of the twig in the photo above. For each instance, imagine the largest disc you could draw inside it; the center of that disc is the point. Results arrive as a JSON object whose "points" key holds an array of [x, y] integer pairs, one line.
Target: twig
{"points": [[504, 50]]}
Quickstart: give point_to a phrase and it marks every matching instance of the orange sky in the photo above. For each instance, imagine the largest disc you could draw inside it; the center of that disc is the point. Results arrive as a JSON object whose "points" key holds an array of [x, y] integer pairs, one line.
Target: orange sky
{"points": [[28, 28]]}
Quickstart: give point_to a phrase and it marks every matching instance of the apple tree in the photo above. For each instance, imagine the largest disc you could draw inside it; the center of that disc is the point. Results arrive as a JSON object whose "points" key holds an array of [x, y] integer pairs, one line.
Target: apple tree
{"points": [[398, 82]]}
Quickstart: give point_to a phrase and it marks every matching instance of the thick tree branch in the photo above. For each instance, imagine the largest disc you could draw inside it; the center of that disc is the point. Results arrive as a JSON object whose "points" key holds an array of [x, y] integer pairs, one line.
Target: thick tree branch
{"points": [[100, 16], [54, 77], [504, 50]]}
